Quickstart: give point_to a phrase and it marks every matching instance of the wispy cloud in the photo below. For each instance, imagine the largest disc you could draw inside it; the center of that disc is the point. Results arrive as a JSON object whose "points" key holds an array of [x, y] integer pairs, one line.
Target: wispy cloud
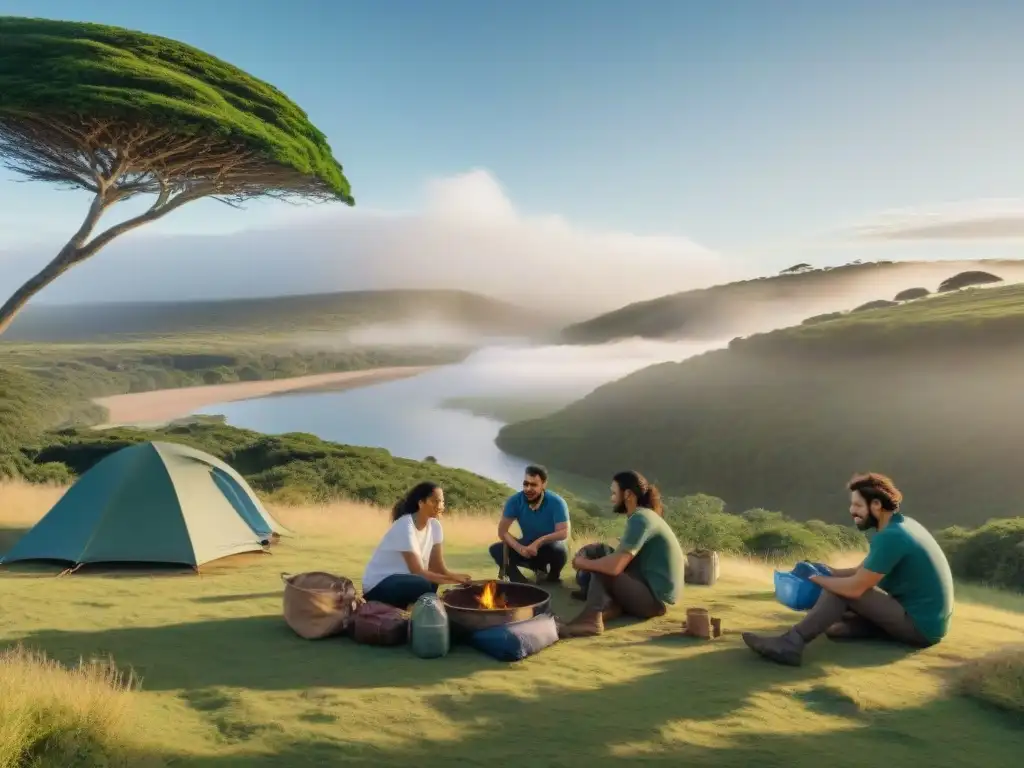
{"points": [[994, 219], [467, 234]]}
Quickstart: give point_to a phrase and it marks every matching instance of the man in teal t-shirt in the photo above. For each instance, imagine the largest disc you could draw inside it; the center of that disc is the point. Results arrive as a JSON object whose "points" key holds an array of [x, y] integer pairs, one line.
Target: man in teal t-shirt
{"points": [[902, 591], [643, 575]]}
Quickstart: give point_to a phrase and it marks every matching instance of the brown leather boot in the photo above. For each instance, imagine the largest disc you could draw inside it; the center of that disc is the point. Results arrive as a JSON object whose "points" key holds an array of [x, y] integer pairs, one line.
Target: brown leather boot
{"points": [[587, 624]]}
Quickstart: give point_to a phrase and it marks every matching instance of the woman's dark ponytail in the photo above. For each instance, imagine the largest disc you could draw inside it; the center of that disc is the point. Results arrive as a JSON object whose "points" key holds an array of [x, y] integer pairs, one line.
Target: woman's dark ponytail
{"points": [[410, 503]]}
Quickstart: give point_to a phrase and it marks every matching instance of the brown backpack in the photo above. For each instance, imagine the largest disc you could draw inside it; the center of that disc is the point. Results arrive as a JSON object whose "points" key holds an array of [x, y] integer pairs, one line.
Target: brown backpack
{"points": [[318, 604], [380, 624]]}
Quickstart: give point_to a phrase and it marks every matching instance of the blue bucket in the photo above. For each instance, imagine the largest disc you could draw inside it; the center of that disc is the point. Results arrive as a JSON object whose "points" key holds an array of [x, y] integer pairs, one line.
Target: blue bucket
{"points": [[795, 593]]}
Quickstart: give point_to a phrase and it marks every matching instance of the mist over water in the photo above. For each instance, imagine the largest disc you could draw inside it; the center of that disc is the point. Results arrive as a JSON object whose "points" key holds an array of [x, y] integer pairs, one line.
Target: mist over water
{"points": [[498, 370], [406, 416]]}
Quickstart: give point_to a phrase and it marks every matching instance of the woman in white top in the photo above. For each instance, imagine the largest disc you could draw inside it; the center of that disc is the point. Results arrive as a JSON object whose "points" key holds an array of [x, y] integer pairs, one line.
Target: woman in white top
{"points": [[409, 561]]}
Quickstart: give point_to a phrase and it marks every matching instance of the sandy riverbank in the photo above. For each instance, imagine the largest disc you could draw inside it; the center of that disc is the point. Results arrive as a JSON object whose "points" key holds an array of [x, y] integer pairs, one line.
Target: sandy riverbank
{"points": [[164, 405]]}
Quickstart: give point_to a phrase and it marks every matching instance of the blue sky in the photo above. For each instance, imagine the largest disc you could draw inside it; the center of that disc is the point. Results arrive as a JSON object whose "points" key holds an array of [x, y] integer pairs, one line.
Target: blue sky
{"points": [[732, 123]]}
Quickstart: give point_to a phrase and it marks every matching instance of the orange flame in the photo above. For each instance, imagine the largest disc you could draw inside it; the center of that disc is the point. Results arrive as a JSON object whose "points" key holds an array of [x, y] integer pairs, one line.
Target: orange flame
{"points": [[489, 599]]}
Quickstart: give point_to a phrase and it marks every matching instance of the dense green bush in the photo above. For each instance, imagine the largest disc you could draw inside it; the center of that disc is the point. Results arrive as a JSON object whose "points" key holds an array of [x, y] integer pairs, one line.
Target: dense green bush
{"points": [[701, 522], [288, 468], [990, 554]]}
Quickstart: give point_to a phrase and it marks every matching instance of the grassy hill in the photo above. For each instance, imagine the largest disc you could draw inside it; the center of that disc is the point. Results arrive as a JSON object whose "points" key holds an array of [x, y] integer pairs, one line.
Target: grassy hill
{"points": [[736, 309], [277, 316], [249, 693], [927, 391]]}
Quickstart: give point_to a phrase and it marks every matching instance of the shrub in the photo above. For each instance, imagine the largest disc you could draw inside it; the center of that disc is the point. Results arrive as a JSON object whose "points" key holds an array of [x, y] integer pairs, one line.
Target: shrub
{"points": [[701, 522], [910, 294], [876, 304], [822, 318], [990, 554], [784, 541], [965, 279], [53, 716]]}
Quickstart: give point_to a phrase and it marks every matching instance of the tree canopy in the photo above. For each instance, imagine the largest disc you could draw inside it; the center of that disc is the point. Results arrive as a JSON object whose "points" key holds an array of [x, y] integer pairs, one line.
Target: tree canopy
{"points": [[121, 113], [74, 72], [967, 279]]}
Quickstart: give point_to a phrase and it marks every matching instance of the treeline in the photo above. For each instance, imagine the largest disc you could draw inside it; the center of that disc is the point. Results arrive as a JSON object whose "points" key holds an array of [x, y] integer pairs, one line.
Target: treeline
{"points": [[51, 386]]}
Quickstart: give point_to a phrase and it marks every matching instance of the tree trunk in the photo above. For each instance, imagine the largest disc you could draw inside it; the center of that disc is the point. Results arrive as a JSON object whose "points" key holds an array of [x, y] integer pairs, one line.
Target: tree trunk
{"points": [[60, 264], [77, 251]]}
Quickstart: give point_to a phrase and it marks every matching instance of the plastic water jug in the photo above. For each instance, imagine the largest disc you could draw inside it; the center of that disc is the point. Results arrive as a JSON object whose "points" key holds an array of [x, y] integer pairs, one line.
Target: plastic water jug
{"points": [[429, 634]]}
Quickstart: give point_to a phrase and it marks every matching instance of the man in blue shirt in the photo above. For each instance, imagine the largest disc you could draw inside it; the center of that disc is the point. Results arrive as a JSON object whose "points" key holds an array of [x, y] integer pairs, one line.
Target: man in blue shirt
{"points": [[543, 518]]}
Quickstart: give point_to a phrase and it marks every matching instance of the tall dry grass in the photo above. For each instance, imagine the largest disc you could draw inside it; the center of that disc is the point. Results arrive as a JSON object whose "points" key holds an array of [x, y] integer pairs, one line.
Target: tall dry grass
{"points": [[22, 504], [55, 716], [997, 679], [359, 523]]}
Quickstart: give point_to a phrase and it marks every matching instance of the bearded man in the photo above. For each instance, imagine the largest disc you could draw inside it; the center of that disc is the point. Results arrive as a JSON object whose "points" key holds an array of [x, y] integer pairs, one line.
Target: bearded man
{"points": [[543, 518], [903, 591]]}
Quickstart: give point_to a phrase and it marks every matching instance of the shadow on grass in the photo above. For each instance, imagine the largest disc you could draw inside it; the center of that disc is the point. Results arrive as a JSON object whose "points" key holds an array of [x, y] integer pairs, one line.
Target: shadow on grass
{"points": [[633, 722], [225, 566], [236, 598], [255, 652]]}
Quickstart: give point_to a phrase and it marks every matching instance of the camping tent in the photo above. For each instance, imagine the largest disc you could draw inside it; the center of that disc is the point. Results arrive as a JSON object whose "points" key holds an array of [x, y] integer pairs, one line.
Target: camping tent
{"points": [[151, 503]]}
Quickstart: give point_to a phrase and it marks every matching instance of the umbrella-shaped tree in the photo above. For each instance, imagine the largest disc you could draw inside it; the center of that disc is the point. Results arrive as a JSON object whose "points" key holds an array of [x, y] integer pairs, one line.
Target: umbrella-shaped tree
{"points": [[122, 114]]}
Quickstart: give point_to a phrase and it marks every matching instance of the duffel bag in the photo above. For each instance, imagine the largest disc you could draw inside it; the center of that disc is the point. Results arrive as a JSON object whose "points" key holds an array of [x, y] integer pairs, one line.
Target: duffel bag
{"points": [[517, 640], [380, 624]]}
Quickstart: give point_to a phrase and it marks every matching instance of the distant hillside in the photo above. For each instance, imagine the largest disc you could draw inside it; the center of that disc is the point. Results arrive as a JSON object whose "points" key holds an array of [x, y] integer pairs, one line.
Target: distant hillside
{"points": [[929, 391], [751, 306], [307, 314]]}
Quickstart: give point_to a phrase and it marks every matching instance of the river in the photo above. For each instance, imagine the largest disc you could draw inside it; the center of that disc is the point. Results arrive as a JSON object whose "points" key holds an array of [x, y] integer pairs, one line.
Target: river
{"points": [[406, 416]]}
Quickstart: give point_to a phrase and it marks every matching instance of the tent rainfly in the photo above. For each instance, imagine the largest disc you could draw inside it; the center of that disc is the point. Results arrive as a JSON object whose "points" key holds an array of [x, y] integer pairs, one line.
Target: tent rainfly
{"points": [[151, 502]]}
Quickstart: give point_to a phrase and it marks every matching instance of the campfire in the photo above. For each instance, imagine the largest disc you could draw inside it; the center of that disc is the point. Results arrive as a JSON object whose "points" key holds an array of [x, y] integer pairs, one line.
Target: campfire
{"points": [[492, 604], [489, 599]]}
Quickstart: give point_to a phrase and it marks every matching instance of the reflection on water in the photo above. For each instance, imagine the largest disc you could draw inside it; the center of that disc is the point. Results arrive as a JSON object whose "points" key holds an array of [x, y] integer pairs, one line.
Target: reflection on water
{"points": [[405, 418]]}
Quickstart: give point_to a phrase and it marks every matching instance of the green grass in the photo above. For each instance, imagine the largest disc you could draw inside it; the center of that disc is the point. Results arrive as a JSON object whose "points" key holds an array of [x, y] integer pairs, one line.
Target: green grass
{"points": [[985, 314], [225, 682]]}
